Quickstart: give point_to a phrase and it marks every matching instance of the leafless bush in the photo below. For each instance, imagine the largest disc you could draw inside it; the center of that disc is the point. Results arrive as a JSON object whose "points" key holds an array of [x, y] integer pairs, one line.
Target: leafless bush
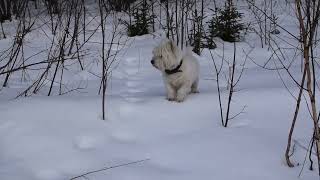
{"points": [[233, 80], [65, 45], [308, 15], [15, 54], [265, 20], [108, 55]]}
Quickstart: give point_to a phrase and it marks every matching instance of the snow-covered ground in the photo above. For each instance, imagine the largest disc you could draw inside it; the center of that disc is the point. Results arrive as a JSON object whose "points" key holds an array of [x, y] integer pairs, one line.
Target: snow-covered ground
{"points": [[59, 137]]}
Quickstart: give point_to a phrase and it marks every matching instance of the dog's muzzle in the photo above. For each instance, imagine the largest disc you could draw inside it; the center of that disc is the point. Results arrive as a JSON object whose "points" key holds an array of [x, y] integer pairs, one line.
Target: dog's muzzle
{"points": [[153, 62]]}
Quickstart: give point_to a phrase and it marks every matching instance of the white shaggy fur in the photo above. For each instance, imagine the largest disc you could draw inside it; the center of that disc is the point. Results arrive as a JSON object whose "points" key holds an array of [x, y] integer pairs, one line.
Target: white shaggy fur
{"points": [[167, 56]]}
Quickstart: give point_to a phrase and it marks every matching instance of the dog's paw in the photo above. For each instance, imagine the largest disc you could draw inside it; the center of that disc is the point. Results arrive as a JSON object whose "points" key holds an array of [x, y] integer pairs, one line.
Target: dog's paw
{"points": [[170, 99], [195, 91], [180, 99]]}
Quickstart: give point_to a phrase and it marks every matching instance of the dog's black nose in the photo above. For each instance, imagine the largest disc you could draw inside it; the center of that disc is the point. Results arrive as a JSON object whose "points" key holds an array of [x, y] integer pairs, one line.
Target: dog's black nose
{"points": [[152, 61]]}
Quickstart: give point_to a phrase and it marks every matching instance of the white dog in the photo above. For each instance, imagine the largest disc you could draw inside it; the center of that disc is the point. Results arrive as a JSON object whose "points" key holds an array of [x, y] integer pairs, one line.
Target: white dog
{"points": [[180, 71]]}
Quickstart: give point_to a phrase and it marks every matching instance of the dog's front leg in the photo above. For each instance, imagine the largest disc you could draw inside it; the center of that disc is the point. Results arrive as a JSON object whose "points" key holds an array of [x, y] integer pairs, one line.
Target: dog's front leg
{"points": [[171, 92], [183, 92]]}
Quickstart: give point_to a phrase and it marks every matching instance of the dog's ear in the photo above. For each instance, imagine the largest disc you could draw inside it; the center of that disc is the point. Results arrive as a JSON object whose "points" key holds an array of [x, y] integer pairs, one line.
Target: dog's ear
{"points": [[172, 46]]}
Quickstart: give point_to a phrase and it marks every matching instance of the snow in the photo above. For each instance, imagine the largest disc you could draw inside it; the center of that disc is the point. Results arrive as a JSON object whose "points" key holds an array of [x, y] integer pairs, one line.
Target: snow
{"points": [[59, 137]]}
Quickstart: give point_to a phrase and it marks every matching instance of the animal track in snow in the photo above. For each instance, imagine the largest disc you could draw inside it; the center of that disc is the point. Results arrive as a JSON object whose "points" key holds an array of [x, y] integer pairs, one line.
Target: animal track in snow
{"points": [[48, 174], [86, 142], [133, 84]]}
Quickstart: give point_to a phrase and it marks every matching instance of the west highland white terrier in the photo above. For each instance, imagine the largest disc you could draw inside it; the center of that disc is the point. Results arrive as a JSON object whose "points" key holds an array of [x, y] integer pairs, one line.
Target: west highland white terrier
{"points": [[180, 70]]}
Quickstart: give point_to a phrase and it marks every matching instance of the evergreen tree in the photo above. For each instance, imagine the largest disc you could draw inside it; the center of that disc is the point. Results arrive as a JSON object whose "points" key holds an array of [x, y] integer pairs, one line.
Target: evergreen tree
{"points": [[226, 24], [142, 20], [197, 34]]}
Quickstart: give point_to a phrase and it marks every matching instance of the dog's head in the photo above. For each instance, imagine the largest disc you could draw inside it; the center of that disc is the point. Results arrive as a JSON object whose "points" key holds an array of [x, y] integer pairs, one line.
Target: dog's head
{"points": [[166, 56]]}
